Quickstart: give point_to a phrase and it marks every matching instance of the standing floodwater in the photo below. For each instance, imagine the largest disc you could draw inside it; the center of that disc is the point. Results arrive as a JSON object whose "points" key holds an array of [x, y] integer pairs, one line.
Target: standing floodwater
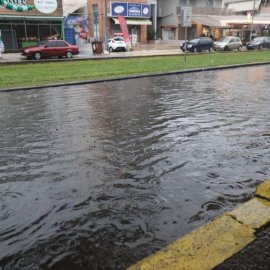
{"points": [[99, 176]]}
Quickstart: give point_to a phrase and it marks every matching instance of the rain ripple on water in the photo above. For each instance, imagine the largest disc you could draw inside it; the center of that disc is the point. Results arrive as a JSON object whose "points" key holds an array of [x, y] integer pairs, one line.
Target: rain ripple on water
{"points": [[99, 176]]}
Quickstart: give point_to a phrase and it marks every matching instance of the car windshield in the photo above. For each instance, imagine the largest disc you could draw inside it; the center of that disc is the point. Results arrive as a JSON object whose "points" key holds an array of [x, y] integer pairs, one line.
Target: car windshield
{"points": [[224, 39], [195, 40], [258, 39], [119, 39]]}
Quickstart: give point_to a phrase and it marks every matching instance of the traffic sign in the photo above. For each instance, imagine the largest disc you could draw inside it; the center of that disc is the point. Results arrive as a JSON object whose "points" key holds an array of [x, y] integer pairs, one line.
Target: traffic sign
{"points": [[186, 18]]}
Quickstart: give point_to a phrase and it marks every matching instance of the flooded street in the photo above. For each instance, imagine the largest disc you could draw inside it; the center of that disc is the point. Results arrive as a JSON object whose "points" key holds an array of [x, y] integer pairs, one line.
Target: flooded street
{"points": [[99, 176]]}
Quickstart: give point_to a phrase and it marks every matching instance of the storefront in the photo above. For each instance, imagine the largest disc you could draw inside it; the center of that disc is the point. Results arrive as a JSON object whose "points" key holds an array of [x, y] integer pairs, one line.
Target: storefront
{"points": [[234, 25], [29, 22], [138, 16]]}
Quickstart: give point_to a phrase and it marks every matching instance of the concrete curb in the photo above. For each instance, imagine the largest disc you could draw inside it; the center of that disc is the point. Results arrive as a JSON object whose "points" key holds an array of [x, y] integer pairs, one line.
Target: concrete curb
{"points": [[137, 76], [213, 243]]}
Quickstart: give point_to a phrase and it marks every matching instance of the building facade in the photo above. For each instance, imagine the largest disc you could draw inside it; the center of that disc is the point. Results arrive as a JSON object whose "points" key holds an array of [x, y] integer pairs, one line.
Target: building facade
{"points": [[29, 22], [242, 18], [104, 23], [169, 17]]}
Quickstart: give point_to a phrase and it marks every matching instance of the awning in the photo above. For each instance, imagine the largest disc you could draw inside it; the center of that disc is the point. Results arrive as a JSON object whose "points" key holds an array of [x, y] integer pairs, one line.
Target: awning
{"points": [[30, 18], [244, 20], [70, 6], [207, 21], [69, 9], [134, 21], [244, 6], [226, 21]]}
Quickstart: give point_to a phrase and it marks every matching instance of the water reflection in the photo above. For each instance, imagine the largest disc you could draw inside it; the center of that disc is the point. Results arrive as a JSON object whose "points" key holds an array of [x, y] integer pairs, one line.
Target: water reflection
{"points": [[99, 176]]}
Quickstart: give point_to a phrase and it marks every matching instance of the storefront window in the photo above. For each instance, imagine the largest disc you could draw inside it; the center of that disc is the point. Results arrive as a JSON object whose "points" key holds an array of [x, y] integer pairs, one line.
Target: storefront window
{"points": [[49, 31], [26, 33], [32, 32]]}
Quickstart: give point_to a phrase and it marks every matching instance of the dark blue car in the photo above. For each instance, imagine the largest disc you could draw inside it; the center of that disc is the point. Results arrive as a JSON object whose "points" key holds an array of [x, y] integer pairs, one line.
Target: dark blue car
{"points": [[259, 43], [198, 44]]}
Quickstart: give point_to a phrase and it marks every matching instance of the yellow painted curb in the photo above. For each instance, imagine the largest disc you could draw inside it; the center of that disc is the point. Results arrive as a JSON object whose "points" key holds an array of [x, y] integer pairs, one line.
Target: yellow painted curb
{"points": [[255, 213], [263, 190], [213, 243], [203, 248]]}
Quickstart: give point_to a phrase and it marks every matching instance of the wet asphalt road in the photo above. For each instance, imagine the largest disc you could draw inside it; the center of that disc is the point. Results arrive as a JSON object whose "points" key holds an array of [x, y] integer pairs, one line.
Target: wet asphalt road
{"points": [[99, 176]]}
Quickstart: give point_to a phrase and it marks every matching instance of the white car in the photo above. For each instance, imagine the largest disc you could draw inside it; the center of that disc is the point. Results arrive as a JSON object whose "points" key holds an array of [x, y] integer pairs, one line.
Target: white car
{"points": [[228, 43], [117, 44]]}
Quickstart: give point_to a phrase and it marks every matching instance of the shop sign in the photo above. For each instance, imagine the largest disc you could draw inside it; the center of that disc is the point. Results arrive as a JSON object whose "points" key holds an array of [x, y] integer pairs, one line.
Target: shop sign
{"points": [[46, 6], [134, 10], [17, 2], [146, 11]]}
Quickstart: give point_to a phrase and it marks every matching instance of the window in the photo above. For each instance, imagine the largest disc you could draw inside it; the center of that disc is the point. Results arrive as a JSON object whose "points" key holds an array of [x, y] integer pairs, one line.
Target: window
{"points": [[61, 44], [51, 44]]}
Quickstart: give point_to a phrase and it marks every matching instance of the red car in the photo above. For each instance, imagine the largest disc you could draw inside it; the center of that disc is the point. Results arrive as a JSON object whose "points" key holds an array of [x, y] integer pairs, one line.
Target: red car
{"points": [[50, 48]]}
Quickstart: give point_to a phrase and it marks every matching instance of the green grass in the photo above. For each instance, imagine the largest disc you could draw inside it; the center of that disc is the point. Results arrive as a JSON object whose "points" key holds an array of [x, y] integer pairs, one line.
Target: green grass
{"points": [[36, 74]]}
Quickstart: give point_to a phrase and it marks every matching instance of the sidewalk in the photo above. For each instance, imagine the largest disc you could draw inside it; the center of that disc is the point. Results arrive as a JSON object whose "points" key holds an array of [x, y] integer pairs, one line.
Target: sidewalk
{"points": [[86, 53]]}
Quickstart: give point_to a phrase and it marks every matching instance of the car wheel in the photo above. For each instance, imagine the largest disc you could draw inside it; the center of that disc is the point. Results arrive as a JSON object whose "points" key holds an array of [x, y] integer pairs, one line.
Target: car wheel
{"points": [[195, 50], [226, 48], [260, 47], [110, 49], [69, 54], [37, 55], [240, 48]]}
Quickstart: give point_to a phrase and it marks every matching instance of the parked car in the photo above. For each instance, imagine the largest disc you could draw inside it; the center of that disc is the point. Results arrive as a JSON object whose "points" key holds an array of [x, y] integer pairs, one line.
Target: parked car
{"points": [[228, 43], [117, 44], [198, 44], [259, 43], [50, 48]]}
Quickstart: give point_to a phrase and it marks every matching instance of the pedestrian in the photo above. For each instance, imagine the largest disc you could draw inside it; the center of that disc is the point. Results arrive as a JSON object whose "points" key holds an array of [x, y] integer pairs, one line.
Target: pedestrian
{"points": [[211, 36], [2, 47]]}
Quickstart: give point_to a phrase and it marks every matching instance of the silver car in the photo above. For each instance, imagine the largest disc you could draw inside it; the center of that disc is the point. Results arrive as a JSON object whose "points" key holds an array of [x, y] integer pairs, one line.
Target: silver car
{"points": [[228, 43]]}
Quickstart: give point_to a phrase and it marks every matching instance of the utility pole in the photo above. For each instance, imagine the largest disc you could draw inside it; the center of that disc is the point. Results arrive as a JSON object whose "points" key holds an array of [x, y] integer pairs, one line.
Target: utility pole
{"points": [[252, 18], [105, 24]]}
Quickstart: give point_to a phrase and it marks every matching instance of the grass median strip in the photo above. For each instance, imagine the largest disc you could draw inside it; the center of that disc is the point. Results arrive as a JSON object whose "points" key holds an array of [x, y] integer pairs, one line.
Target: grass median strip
{"points": [[36, 74]]}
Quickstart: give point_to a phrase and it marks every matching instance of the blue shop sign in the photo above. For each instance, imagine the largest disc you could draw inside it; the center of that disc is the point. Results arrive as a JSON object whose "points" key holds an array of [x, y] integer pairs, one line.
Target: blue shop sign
{"points": [[146, 11], [118, 9], [134, 10]]}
